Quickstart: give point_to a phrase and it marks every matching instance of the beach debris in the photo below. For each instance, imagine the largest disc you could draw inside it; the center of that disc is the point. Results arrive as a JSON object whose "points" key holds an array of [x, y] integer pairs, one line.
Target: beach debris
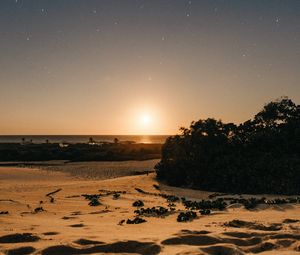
{"points": [[121, 222], [38, 209], [157, 211], [53, 192], [104, 192], [136, 220], [116, 195], [76, 213], [73, 196], [290, 221], [94, 202], [138, 203], [156, 186], [141, 191], [3, 212], [101, 211], [9, 200], [93, 198], [172, 207], [186, 216]]}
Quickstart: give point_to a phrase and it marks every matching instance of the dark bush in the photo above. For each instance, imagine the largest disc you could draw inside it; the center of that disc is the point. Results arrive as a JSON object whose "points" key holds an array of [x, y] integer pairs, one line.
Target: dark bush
{"points": [[257, 156]]}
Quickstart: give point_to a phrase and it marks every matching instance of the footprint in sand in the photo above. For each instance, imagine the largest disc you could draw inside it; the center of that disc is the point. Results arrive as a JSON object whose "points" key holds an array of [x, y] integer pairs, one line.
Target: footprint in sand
{"points": [[83, 241], [51, 233], [80, 225], [19, 238], [21, 251], [253, 225], [69, 217], [234, 243], [142, 248]]}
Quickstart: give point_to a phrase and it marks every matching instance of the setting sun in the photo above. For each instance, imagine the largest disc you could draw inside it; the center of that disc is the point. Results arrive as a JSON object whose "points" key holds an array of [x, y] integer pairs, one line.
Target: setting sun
{"points": [[146, 119]]}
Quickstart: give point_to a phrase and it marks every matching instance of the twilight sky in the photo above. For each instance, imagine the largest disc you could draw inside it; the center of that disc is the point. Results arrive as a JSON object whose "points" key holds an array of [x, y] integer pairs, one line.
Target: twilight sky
{"points": [[143, 66]]}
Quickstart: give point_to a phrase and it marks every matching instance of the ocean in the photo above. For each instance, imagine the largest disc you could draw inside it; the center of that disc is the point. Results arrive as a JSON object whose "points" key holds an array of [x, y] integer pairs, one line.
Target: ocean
{"points": [[82, 138]]}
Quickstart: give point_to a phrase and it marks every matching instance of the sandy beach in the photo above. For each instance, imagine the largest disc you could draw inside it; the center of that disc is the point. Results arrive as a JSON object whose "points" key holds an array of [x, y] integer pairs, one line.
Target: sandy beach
{"points": [[67, 224]]}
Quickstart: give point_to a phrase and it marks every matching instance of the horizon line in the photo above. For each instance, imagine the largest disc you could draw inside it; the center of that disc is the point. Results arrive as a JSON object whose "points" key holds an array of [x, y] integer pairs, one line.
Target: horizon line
{"points": [[86, 135]]}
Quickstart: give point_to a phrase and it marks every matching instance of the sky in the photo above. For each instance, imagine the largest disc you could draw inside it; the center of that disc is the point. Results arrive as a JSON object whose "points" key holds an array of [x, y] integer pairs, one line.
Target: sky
{"points": [[143, 66]]}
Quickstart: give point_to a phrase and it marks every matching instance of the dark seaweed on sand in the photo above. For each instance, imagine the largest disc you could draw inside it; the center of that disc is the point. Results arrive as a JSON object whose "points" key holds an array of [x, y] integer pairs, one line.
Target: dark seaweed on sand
{"points": [[186, 216], [154, 211]]}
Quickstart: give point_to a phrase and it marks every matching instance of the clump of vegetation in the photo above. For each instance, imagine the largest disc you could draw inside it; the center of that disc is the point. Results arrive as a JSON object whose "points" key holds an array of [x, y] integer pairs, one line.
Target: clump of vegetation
{"points": [[94, 202], [78, 152], [170, 198], [138, 203], [156, 186], [261, 155], [116, 195], [136, 220], [93, 198], [205, 212], [218, 204], [39, 209], [157, 211], [186, 216]]}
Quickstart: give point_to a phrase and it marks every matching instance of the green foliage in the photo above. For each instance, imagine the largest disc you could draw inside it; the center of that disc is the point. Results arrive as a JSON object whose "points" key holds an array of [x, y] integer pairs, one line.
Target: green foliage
{"points": [[257, 156]]}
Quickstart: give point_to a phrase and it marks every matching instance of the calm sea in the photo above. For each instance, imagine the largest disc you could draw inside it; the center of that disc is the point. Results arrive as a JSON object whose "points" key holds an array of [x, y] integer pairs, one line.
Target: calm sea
{"points": [[82, 138]]}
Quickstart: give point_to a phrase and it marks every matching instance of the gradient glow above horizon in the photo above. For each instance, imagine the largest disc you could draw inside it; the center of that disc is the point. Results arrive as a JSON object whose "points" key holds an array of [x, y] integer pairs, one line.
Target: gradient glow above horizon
{"points": [[143, 67]]}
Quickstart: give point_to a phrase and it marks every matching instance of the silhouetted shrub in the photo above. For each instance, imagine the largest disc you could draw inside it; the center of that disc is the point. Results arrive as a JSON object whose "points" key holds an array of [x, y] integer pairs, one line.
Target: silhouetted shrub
{"points": [[257, 156]]}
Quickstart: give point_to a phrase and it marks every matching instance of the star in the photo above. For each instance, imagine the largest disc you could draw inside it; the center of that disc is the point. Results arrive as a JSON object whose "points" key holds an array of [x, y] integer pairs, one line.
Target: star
{"points": [[188, 15], [277, 20]]}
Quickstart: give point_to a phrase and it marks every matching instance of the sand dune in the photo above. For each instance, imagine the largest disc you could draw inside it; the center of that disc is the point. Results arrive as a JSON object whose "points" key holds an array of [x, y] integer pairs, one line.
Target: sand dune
{"points": [[64, 222]]}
